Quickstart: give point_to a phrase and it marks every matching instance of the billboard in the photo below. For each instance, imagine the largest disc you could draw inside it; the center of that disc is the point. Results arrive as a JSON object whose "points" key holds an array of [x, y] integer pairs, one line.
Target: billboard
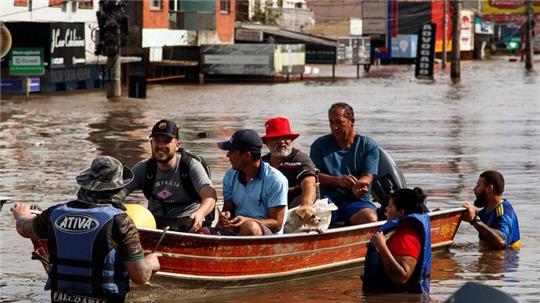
{"points": [[508, 11], [404, 46], [67, 44]]}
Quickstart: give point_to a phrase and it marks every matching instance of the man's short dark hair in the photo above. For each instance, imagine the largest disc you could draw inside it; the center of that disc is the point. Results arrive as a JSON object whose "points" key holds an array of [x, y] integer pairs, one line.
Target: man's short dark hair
{"points": [[254, 155], [495, 178], [348, 110]]}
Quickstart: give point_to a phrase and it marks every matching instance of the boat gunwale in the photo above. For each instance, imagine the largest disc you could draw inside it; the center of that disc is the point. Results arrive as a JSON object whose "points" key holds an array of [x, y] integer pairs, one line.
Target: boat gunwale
{"points": [[331, 231]]}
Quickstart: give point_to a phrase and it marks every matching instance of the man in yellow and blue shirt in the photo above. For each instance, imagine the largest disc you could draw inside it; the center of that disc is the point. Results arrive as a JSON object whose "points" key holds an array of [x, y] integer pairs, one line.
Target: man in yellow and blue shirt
{"points": [[496, 222]]}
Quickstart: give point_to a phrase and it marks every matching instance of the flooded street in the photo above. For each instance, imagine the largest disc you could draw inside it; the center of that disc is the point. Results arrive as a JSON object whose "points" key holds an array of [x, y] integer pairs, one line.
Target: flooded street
{"points": [[441, 135]]}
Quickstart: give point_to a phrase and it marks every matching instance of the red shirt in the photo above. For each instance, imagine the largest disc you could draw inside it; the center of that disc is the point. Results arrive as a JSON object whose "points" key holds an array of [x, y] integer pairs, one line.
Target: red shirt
{"points": [[405, 242]]}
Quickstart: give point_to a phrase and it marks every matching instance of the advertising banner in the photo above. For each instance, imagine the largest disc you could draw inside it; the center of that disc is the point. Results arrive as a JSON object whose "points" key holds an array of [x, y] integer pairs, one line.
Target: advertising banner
{"points": [[67, 44], [404, 46], [467, 31], [26, 61], [508, 6], [508, 11], [425, 54]]}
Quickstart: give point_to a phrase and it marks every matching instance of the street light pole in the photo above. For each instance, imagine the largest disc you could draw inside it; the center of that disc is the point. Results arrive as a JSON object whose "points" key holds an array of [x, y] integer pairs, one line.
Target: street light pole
{"points": [[455, 72], [528, 37], [443, 55]]}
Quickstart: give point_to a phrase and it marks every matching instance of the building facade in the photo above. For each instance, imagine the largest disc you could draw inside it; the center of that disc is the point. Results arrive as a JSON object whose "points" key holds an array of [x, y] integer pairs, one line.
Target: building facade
{"points": [[66, 32]]}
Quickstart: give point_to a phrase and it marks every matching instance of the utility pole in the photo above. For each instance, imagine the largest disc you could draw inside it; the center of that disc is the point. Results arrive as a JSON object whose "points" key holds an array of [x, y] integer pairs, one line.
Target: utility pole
{"points": [[455, 68], [528, 37], [443, 55]]}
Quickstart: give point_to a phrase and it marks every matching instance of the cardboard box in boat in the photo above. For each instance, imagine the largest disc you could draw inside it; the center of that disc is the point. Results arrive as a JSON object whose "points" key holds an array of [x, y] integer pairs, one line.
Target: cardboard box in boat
{"points": [[253, 59]]}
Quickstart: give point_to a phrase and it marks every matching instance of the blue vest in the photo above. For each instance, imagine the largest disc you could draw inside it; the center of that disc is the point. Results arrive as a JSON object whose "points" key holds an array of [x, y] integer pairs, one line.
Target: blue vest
{"points": [[82, 259], [375, 277]]}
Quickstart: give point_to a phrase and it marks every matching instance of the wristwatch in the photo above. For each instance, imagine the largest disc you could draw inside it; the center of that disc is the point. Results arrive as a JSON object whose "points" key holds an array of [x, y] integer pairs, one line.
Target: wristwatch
{"points": [[474, 220]]}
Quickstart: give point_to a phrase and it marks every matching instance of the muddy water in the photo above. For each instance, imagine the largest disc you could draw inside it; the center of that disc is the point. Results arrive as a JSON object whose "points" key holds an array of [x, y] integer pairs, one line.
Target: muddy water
{"points": [[441, 135]]}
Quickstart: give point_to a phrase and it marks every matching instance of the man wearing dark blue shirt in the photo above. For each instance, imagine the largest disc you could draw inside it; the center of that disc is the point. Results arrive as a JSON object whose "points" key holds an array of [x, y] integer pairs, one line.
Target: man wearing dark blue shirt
{"points": [[348, 163]]}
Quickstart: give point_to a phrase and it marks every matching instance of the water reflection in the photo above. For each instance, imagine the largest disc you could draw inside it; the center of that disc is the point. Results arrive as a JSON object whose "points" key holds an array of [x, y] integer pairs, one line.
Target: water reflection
{"points": [[442, 136], [119, 134]]}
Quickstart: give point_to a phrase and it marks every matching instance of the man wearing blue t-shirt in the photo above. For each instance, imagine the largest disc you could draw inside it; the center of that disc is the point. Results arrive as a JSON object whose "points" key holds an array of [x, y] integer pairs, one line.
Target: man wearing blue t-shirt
{"points": [[254, 193], [496, 222], [348, 164]]}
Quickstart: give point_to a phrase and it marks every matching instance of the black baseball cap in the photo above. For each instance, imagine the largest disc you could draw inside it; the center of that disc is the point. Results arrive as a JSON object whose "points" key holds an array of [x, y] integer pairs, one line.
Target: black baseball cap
{"points": [[243, 139], [165, 127]]}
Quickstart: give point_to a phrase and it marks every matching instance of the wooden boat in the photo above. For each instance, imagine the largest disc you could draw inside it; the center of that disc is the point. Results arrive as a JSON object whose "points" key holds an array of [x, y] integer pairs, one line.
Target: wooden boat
{"points": [[217, 261]]}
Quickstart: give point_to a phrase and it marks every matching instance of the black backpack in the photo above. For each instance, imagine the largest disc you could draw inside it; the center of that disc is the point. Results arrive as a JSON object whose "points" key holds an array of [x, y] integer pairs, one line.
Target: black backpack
{"points": [[185, 161]]}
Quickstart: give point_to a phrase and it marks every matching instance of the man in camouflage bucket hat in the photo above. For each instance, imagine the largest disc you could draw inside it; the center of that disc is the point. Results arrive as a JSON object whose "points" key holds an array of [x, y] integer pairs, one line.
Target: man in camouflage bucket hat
{"points": [[81, 234], [105, 174]]}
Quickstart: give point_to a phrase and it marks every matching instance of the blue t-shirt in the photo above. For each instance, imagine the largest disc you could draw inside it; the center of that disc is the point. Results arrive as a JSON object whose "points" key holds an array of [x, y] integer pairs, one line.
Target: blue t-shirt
{"points": [[505, 220], [362, 157], [268, 189]]}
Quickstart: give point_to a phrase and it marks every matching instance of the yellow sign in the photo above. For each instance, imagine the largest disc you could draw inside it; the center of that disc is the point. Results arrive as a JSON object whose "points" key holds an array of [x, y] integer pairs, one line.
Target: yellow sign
{"points": [[508, 6]]}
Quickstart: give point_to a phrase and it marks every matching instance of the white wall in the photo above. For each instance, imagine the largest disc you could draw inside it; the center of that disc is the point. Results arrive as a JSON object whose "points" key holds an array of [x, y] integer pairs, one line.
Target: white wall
{"points": [[69, 12], [41, 12]]}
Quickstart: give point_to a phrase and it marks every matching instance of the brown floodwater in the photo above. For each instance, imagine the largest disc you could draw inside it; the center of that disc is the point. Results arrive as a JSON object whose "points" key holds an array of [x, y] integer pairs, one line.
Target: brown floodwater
{"points": [[441, 135]]}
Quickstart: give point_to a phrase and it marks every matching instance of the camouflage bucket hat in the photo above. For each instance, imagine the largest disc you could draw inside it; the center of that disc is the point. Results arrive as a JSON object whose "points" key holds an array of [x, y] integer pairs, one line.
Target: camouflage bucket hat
{"points": [[105, 173]]}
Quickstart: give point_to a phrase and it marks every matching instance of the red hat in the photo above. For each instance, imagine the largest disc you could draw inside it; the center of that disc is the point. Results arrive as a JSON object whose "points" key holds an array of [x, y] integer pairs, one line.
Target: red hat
{"points": [[278, 127]]}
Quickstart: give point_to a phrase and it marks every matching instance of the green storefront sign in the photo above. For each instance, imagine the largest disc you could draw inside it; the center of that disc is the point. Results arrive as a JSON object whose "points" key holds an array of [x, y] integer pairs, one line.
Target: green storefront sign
{"points": [[26, 61]]}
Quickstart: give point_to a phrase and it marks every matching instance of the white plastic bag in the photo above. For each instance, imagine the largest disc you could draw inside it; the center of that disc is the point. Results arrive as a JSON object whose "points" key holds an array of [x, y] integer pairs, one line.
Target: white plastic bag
{"points": [[324, 211]]}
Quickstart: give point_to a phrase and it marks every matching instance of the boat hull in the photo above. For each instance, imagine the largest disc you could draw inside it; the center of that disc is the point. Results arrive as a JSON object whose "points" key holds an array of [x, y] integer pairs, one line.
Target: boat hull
{"points": [[227, 260]]}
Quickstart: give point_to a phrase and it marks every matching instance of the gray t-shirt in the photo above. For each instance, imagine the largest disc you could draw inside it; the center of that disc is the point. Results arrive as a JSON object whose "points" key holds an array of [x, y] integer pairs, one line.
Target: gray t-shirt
{"points": [[168, 187]]}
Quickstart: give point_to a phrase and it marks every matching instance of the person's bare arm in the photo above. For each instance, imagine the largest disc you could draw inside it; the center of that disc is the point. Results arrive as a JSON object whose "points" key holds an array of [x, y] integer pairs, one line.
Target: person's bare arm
{"points": [[225, 214], [140, 271], [399, 269], [274, 222], [309, 192], [492, 236], [276, 216], [208, 202], [337, 181], [362, 185], [23, 220]]}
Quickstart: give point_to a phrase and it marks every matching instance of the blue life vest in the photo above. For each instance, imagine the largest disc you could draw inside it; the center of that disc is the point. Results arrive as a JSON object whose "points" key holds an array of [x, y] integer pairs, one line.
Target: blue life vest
{"points": [[82, 258], [375, 277]]}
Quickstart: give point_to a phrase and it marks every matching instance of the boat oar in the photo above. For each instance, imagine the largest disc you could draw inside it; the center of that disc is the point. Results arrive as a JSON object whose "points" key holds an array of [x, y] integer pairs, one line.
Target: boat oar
{"points": [[155, 249], [161, 238]]}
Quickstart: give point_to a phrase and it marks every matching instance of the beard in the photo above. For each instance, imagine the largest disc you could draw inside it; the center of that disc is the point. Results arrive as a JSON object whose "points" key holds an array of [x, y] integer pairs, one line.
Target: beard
{"points": [[163, 159], [481, 200], [281, 152]]}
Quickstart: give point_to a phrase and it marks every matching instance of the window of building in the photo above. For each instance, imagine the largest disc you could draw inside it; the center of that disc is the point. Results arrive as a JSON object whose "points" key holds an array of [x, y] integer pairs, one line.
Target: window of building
{"points": [[86, 3], [20, 2], [156, 4], [56, 2], [225, 6]]}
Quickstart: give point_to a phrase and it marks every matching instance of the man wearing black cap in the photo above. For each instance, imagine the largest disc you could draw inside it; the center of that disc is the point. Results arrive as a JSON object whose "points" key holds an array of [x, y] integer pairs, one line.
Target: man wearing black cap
{"points": [[93, 245], [179, 190], [254, 193]]}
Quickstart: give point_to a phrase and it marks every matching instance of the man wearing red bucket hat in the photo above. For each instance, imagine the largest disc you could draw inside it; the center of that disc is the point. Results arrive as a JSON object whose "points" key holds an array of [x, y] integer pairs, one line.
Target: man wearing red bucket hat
{"points": [[294, 164]]}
